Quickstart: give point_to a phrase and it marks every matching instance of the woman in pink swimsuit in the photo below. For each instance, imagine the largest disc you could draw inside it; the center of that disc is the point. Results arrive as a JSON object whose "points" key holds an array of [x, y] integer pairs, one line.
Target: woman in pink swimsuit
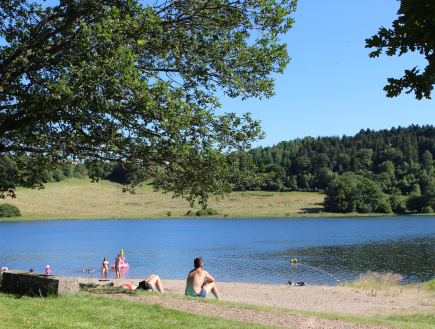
{"points": [[104, 268]]}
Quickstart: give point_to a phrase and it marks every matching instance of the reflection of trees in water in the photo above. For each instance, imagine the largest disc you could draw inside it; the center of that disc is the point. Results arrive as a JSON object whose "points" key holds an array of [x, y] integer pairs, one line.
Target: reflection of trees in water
{"points": [[413, 258]]}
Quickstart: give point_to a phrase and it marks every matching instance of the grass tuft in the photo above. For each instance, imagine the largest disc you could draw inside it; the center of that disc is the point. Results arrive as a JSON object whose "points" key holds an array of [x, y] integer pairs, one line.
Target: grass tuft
{"points": [[376, 280]]}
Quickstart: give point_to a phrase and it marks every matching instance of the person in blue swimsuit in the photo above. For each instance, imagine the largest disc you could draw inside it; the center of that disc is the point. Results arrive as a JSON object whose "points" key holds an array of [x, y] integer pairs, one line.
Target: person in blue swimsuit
{"points": [[199, 282]]}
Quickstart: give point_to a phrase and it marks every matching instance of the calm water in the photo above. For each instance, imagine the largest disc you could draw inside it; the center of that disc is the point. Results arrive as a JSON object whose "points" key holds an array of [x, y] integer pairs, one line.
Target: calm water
{"points": [[235, 250]]}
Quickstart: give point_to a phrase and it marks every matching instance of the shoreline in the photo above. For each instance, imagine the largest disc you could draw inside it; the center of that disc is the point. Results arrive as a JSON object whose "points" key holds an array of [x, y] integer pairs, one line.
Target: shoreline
{"points": [[339, 299], [302, 215]]}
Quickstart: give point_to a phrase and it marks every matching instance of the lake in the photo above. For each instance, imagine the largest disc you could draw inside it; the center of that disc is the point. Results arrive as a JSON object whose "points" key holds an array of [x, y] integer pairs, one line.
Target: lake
{"points": [[328, 250]]}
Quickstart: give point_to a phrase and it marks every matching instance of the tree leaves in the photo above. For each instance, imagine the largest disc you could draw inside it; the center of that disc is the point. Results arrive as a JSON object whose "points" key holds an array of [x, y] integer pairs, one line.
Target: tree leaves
{"points": [[413, 30], [134, 84]]}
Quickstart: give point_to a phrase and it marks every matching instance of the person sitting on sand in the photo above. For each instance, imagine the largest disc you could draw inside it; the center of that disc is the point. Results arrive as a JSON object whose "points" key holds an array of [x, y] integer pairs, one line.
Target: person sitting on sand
{"points": [[297, 284], [195, 284]]}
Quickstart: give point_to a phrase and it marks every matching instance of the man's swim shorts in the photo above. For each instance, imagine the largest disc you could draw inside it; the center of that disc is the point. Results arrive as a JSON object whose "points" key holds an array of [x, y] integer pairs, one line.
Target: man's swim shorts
{"points": [[202, 294]]}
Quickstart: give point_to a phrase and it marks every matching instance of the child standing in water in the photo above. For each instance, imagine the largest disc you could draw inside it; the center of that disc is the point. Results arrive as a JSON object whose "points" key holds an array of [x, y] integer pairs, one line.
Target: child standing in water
{"points": [[104, 268], [47, 269]]}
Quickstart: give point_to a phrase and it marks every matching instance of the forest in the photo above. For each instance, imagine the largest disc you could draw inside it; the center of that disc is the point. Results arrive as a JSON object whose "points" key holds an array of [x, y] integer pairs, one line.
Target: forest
{"points": [[373, 171]]}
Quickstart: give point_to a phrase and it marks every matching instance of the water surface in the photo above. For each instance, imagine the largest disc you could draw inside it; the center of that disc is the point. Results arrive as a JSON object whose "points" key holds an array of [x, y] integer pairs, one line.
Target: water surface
{"points": [[234, 250]]}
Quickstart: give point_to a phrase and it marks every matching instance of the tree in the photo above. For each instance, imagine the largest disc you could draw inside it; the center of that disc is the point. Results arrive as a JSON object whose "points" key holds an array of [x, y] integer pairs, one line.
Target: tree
{"points": [[363, 159], [341, 194], [413, 30], [116, 81], [427, 159], [277, 170], [369, 196]]}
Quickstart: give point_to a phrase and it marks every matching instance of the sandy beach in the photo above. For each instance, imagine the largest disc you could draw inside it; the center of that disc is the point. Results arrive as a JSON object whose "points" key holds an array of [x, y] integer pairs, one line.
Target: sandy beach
{"points": [[340, 300]]}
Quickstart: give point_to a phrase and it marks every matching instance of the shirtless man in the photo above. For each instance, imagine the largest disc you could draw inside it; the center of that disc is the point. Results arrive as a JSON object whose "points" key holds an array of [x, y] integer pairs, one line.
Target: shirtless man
{"points": [[118, 267], [195, 284]]}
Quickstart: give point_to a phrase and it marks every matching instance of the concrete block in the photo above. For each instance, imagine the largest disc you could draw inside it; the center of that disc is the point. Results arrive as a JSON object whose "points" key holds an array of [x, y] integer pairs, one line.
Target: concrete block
{"points": [[37, 283]]}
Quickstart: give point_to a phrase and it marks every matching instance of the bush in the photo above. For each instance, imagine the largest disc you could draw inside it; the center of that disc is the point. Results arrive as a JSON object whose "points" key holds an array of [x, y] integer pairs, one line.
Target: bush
{"points": [[207, 212], [9, 210], [202, 212], [427, 210], [78, 175], [169, 214], [384, 207]]}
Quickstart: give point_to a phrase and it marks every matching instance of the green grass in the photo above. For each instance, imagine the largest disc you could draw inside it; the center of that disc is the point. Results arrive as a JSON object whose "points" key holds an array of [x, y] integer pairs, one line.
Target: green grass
{"points": [[429, 285], [422, 321], [80, 199], [83, 310]]}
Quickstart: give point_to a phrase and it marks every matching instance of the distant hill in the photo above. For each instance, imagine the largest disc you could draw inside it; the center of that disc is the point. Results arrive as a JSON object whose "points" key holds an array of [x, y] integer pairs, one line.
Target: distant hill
{"points": [[395, 158]]}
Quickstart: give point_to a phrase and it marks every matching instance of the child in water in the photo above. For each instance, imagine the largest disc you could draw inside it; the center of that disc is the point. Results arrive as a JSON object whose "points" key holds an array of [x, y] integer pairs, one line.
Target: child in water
{"points": [[47, 269]]}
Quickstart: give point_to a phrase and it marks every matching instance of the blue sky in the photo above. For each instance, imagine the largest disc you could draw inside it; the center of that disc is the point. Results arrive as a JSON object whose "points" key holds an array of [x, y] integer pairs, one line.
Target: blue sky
{"points": [[331, 87]]}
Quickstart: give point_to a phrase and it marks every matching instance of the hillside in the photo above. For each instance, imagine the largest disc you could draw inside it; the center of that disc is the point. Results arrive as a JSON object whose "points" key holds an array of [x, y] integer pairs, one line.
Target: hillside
{"points": [[80, 199]]}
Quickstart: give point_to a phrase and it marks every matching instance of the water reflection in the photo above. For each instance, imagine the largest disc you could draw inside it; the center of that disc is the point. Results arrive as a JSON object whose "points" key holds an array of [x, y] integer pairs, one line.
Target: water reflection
{"points": [[240, 250]]}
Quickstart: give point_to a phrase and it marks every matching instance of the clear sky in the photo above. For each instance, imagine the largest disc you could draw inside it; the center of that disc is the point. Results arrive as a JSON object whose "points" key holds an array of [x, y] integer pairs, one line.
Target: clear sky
{"points": [[331, 87]]}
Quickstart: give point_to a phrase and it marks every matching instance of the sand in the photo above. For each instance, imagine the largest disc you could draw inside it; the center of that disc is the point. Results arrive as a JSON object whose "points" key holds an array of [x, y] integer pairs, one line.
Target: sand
{"points": [[339, 300]]}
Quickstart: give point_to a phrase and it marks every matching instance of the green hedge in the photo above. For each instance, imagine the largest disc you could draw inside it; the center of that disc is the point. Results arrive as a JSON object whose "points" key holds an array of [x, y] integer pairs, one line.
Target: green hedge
{"points": [[9, 210]]}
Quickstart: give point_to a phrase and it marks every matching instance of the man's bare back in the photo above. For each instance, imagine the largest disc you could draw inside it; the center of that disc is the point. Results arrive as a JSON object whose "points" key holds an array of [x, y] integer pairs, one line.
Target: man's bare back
{"points": [[196, 285]]}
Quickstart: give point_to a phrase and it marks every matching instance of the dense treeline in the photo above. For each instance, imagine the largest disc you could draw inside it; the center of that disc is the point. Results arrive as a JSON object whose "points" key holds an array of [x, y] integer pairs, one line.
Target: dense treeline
{"points": [[367, 172], [68, 169]]}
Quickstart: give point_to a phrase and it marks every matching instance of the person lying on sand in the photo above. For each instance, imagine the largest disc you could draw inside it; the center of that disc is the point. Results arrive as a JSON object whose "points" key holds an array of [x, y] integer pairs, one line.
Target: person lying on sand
{"points": [[153, 279], [195, 284], [297, 284], [114, 285]]}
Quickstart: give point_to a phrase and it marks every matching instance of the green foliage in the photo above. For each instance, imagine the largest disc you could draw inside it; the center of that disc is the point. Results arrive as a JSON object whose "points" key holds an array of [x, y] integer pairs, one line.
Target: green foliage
{"points": [[369, 196], [363, 159], [191, 213], [132, 84], [427, 210], [169, 214], [68, 169], [9, 210], [427, 159], [341, 194], [58, 175], [389, 158], [207, 212], [202, 212], [384, 207], [411, 31]]}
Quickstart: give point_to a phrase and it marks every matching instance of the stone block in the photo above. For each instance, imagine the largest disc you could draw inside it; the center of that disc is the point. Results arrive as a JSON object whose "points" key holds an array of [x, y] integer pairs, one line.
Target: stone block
{"points": [[38, 283]]}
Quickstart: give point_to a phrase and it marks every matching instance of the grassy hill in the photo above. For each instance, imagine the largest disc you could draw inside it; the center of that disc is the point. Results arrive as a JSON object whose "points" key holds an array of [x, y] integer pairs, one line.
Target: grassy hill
{"points": [[80, 199]]}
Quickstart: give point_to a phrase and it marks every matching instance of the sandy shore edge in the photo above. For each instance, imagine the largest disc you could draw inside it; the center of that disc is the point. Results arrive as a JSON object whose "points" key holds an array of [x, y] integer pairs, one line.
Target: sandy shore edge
{"points": [[339, 299]]}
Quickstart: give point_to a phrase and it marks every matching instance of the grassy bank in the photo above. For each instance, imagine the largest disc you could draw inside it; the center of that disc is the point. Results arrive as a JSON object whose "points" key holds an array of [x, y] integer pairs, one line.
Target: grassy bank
{"points": [[86, 311], [79, 199], [83, 310]]}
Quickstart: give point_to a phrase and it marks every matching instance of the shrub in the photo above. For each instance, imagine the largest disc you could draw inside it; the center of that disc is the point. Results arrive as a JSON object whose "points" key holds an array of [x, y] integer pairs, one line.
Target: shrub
{"points": [[78, 175], [427, 210], [9, 210], [207, 212], [202, 212], [384, 207], [169, 214]]}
